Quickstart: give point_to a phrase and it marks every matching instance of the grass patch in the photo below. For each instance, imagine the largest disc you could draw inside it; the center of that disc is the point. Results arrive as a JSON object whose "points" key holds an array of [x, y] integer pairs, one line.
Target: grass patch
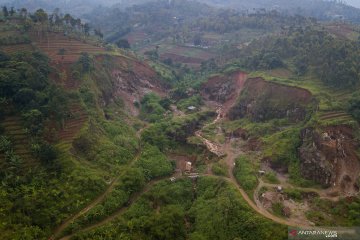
{"points": [[293, 194], [244, 173], [220, 169], [195, 101], [271, 178], [277, 209]]}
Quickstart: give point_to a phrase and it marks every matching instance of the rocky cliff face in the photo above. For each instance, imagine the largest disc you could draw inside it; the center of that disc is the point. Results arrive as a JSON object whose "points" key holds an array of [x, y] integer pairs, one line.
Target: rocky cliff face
{"points": [[261, 100], [328, 157], [130, 80], [224, 89]]}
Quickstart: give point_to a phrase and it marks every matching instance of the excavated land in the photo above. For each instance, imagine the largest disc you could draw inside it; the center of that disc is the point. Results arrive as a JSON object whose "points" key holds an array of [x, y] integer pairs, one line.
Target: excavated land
{"points": [[262, 100], [131, 80], [224, 89], [329, 157]]}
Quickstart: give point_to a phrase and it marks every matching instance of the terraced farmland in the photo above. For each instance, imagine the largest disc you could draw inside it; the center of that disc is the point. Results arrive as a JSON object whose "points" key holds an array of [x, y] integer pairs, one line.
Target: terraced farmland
{"points": [[63, 49], [335, 115], [191, 56], [73, 124], [10, 49], [15, 131]]}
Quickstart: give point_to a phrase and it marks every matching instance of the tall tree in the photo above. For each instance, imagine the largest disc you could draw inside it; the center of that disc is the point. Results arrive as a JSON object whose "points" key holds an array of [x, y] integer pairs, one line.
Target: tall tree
{"points": [[23, 12], [98, 33], [86, 29], [41, 16], [12, 11], [67, 18], [5, 11]]}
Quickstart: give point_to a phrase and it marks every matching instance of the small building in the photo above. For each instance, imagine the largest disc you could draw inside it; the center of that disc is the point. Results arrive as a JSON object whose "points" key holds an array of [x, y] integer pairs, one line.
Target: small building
{"points": [[279, 188], [191, 108], [172, 179], [188, 167], [261, 172]]}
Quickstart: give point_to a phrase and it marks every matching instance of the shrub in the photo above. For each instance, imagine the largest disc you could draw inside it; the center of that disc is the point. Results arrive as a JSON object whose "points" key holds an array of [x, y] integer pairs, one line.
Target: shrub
{"points": [[154, 163], [245, 174], [293, 193], [195, 101], [278, 208], [61, 51], [45, 152], [220, 169], [33, 121], [354, 106], [151, 108], [5, 144], [271, 177]]}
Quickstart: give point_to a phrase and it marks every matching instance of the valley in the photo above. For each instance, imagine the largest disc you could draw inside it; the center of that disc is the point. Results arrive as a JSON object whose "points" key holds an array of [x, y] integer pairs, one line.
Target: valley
{"points": [[201, 124]]}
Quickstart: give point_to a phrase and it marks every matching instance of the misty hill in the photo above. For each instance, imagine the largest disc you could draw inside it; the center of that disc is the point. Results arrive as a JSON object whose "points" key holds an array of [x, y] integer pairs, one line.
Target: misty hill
{"points": [[77, 7], [223, 124], [320, 9]]}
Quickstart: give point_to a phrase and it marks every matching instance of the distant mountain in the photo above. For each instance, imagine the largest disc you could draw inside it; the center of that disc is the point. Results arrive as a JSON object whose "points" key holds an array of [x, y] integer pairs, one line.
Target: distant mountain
{"points": [[355, 3], [76, 7], [321, 9]]}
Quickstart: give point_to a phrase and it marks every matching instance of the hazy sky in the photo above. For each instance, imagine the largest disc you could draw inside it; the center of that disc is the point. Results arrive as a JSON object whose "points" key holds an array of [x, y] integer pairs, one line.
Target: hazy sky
{"points": [[355, 3]]}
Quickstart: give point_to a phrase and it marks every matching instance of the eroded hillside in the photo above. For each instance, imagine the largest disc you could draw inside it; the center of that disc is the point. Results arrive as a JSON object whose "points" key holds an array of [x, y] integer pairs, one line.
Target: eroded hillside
{"points": [[98, 142]]}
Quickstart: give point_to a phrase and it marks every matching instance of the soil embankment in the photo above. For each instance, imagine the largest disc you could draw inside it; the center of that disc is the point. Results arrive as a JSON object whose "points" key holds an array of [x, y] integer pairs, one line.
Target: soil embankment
{"points": [[261, 100], [329, 157], [224, 89]]}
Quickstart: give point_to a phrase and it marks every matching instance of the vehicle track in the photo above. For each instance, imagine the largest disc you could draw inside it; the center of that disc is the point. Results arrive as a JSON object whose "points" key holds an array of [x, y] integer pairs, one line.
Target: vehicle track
{"points": [[121, 210], [95, 202], [230, 160]]}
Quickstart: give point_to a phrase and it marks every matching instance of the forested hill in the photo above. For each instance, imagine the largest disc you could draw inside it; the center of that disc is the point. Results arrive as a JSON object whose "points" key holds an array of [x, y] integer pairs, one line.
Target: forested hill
{"points": [[87, 132]]}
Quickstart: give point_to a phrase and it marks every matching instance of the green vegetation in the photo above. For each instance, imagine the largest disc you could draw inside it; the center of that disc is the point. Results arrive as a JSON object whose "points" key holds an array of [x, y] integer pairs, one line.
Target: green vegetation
{"points": [[153, 108], [328, 213], [256, 129], [245, 173], [277, 208], [271, 178], [153, 163], [293, 194], [160, 214], [66, 138], [131, 181], [285, 143], [354, 106], [212, 133], [108, 144], [220, 169], [169, 133], [195, 101], [333, 60]]}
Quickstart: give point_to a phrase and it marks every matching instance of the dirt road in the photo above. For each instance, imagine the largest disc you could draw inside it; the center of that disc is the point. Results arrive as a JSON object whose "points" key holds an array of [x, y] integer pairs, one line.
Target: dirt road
{"points": [[231, 155], [91, 205], [120, 211]]}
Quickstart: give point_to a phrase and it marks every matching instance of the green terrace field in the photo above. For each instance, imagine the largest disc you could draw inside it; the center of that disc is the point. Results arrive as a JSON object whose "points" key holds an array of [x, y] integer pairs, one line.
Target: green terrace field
{"points": [[191, 56]]}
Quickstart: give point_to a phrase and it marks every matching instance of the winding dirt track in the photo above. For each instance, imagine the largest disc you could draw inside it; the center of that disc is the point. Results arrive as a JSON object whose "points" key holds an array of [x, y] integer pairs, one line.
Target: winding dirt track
{"points": [[231, 155], [120, 211], [95, 202], [98, 200], [257, 207], [322, 193]]}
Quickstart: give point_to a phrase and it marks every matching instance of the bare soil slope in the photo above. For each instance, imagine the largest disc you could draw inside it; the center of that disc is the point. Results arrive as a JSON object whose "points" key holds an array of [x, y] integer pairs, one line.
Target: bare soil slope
{"points": [[262, 100]]}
